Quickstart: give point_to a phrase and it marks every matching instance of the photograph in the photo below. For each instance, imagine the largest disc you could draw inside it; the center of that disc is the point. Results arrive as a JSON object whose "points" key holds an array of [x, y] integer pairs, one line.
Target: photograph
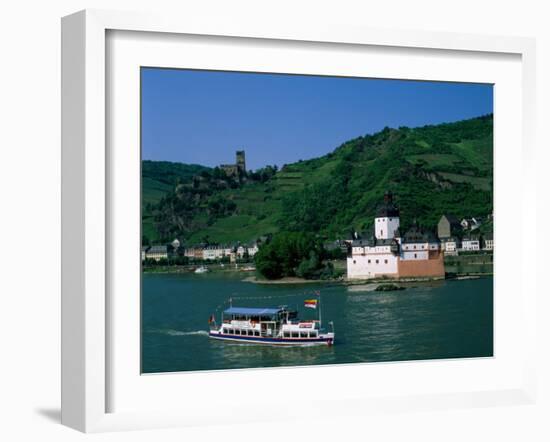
{"points": [[301, 220]]}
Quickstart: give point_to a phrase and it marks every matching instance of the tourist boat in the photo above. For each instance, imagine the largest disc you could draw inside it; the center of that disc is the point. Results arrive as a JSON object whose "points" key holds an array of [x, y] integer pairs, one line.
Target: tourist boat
{"points": [[274, 326], [201, 269]]}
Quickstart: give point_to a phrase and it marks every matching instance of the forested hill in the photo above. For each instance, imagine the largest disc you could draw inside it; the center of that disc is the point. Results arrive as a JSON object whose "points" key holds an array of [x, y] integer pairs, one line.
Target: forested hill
{"points": [[431, 170], [159, 178]]}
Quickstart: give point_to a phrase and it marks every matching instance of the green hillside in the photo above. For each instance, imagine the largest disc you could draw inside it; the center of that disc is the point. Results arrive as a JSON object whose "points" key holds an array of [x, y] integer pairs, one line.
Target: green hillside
{"points": [[159, 178], [431, 170]]}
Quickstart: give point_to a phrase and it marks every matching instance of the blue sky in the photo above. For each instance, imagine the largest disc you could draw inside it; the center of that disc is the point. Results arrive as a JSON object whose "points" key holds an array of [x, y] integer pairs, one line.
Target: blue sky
{"points": [[202, 117]]}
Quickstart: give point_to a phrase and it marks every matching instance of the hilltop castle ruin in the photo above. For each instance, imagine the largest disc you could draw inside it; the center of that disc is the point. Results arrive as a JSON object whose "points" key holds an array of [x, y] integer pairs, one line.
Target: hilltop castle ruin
{"points": [[237, 169]]}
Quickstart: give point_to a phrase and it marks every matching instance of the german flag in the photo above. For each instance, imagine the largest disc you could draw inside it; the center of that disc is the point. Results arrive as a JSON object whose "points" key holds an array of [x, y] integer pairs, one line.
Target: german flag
{"points": [[310, 303]]}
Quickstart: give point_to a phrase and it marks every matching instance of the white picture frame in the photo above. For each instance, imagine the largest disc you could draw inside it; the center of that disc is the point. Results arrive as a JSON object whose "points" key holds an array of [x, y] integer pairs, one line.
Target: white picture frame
{"points": [[86, 205]]}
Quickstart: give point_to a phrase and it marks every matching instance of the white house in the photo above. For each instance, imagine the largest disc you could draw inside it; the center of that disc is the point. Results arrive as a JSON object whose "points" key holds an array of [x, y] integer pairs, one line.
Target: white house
{"points": [[450, 246], [252, 250], [176, 244], [470, 244], [470, 223], [157, 253], [241, 251], [144, 252], [488, 243], [216, 252], [416, 245], [209, 253]]}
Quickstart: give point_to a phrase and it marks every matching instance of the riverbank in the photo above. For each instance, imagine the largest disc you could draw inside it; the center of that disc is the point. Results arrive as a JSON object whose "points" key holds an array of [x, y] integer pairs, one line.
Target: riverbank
{"points": [[456, 267], [354, 282], [471, 264], [245, 268], [250, 277], [287, 280]]}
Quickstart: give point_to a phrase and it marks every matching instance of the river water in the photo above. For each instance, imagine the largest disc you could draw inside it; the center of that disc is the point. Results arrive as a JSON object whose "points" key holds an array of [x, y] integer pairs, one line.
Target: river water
{"points": [[443, 319]]}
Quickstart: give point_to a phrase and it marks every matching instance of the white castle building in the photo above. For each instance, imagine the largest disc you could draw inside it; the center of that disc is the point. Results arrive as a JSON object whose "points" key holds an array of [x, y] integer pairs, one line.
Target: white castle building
{"points": [[371, 257], [388, 254]]}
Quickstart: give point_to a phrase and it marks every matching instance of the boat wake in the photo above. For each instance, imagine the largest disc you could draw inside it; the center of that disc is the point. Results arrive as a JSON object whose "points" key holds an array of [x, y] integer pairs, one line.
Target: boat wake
{"points": [[171, 332]]}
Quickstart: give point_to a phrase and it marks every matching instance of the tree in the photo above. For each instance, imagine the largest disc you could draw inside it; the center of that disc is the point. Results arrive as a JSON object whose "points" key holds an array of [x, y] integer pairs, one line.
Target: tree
{"points": [[145, 240], [285, 253], [309, 267]]}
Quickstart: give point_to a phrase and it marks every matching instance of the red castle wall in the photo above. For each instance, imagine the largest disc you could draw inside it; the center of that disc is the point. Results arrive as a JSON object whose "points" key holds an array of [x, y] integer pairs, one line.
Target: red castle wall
{"points": [[430, 268]]}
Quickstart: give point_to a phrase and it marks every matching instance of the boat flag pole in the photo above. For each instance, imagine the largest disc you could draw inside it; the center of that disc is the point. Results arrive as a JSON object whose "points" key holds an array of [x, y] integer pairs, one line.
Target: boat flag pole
{"points": [[320, 323]]}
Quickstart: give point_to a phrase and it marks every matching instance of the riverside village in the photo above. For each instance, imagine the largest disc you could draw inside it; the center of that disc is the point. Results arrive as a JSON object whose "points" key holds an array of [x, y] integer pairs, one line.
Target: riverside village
{"points": [[459, 247]]}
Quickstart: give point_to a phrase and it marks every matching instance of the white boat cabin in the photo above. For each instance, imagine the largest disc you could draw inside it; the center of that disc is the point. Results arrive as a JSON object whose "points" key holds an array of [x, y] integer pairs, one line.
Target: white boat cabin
{"points": [[267, 322]]}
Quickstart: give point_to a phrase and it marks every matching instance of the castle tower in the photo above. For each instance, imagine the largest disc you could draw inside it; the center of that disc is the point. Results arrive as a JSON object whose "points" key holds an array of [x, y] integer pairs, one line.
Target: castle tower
{"points": [[241, 163], [386, 223]]}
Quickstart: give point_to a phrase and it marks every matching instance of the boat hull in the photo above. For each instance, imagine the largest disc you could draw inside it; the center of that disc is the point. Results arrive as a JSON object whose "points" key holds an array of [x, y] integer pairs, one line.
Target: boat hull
{"points": [[322, 340]]}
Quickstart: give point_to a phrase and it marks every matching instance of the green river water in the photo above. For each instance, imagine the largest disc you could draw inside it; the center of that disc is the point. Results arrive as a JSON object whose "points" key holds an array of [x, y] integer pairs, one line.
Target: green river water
{"points": [[443, 319]]}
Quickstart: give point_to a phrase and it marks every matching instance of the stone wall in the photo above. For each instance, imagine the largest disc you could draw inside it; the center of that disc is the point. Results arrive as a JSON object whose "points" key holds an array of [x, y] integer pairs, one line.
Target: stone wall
{"points": [[230, 169]]}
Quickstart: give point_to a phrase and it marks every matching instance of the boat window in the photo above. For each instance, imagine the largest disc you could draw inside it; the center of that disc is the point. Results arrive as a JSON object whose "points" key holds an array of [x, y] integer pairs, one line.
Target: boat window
{"points": [[295, 334], [256, 333], [303, 335], [286, 334], [250, 333], [229, 331], [313, 334]]}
